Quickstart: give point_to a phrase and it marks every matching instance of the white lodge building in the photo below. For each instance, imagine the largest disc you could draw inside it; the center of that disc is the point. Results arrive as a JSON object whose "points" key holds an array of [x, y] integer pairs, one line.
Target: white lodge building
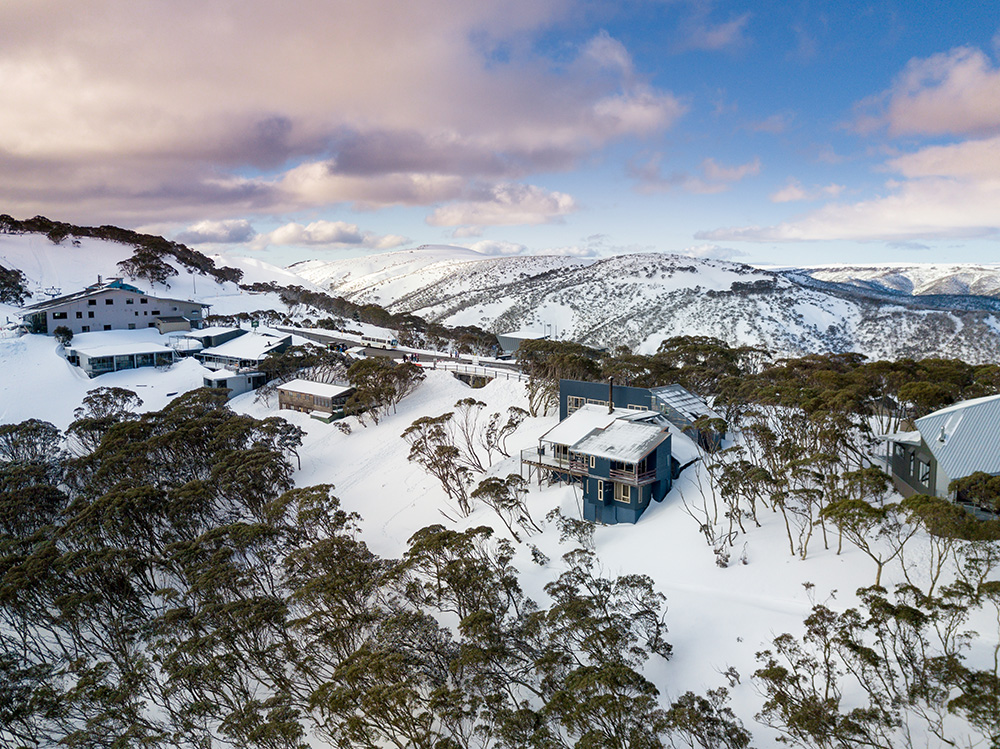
{"points": [[111, 305]]}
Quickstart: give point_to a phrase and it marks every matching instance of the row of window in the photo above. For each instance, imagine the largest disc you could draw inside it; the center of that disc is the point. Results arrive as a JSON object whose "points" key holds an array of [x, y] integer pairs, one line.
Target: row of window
{"points": [[622, 492], [111, 300], [576, 402]]}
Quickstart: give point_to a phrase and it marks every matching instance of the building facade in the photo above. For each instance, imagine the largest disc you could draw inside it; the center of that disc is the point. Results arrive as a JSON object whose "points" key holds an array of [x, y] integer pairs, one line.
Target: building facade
{"points": [[680, 407], [949, 444], [621, 458], [314, 397], [109, 305]]}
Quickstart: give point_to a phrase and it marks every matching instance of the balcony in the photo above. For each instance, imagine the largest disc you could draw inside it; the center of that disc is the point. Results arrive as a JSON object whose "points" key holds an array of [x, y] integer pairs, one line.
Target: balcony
{"points": [[632, 478], [575, 466]]}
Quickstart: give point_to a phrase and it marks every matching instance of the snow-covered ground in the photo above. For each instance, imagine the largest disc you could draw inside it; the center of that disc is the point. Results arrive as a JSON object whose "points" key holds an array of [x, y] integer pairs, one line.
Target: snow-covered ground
{"points": [[718, 618]]}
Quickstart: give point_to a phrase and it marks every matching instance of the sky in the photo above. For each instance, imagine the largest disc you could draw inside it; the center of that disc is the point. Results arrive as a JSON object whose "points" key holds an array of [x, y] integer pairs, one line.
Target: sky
{"points": [[788, 133]]}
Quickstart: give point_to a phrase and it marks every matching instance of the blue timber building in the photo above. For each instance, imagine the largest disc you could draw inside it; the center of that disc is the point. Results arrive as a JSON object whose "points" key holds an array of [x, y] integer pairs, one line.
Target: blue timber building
{"points": [[680, 407], [616, 441]]}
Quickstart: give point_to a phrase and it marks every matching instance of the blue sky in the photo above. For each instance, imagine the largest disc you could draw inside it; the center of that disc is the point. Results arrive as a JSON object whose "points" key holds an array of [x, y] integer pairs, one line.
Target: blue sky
{"points": [[784, 133]]}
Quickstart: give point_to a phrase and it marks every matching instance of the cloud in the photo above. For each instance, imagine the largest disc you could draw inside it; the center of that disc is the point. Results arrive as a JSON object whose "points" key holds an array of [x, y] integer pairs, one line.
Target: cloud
{"points": [[973, 159], [141, 113], [327, 234], [714, 177], [217, 232], [956, 92], [506, 205], [774, 125], [712, 252], [794, 191], [498, 247], [932, 208], [699, 32]]}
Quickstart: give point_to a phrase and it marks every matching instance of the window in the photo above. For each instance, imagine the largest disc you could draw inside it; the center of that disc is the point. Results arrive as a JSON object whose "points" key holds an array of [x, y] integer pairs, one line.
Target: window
{"points": [[130, 300], [638, 408], [156, 311], [90, 314], [573, 403], [58, 315], [925, 473], [623, 493], [137, 313], [109, 300], [131, 326], [79, 315], [92, 302], [143, 301], [600, 490], [593, 402], [84, 328], [593, 462], [898, 450], [913, 464], [107, 327]]}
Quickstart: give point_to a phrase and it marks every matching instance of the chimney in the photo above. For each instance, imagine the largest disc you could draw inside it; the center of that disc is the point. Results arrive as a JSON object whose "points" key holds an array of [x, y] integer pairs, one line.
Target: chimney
{"points": [[98, 279], [611, 394], [941, 436]]}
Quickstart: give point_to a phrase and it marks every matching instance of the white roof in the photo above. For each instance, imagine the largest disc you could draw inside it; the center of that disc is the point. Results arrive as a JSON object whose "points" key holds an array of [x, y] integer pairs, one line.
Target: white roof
{"points": [[524, 334], [963, 437], [321, 389], [582, 422], [250, 346], [123, 349], [623, 440], [909, 438], [221, 374], [213, 331]]}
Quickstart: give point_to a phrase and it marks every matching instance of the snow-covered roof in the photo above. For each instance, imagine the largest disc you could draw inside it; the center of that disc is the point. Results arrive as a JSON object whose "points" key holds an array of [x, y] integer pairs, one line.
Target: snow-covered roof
{"points": [[250, 346], [122, 349], [908, 438], [527, 335], [211, 331], [582, 422], [321, 389], [100, 288], [623, 440], [963, 438], [221, 374]]}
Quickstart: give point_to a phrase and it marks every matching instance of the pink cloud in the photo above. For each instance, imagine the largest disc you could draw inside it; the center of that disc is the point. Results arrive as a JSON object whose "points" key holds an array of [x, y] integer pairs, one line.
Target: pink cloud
{"points": [[140, 112]]}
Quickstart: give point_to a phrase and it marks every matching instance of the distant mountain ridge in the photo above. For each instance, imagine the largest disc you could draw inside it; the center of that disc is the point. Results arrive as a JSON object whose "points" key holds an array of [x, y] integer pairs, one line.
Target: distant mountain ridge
{"points": [[638, 300]]}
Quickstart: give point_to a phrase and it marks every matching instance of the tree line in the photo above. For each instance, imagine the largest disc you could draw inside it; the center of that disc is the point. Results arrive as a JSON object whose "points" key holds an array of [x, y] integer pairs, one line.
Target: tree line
{"points": [[162, 583]]}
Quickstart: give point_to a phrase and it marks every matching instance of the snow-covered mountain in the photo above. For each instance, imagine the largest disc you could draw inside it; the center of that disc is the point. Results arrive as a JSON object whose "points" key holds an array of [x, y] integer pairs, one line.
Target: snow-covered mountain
{"points": [[639, 300], [916, 280]]}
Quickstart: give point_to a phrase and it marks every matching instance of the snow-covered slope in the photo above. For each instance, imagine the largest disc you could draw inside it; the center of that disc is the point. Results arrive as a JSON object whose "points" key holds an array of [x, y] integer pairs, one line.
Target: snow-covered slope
{"points": [[53, 269], [639, 300], [917, 280]]}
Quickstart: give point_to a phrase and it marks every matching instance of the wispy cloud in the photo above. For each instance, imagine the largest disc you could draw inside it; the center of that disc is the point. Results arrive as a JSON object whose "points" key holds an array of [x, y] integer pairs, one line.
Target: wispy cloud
{"points": [[699, 31], [795, 191], [713, 177]]}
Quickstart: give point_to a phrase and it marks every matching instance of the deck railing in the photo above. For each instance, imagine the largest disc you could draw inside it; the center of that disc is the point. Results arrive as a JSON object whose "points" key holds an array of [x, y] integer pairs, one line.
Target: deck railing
{"points": [[631, 477]]}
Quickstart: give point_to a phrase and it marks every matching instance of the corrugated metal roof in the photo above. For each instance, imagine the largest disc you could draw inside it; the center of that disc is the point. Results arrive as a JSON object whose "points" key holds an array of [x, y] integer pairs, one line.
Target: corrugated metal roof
{"points": [[684, 402], [965, 438]]}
